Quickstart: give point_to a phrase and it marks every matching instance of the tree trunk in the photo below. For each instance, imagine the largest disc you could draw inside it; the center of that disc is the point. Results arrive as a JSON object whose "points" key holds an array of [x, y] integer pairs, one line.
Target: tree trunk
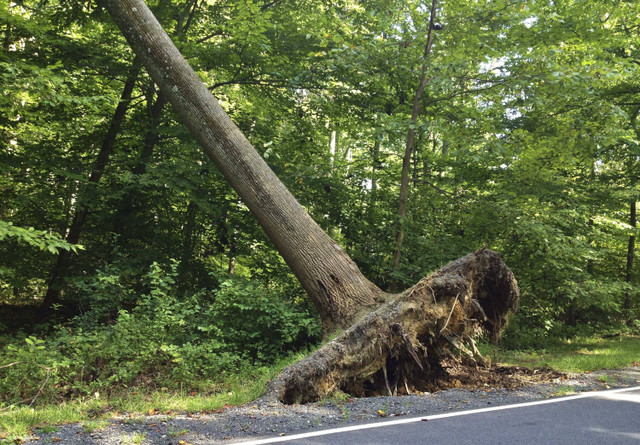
{"points": [[406, 160], [129, 204], [62, 263], [405, 337], [333, 281], [631, 247], [375, 166], [188, 228], [6, 43]]}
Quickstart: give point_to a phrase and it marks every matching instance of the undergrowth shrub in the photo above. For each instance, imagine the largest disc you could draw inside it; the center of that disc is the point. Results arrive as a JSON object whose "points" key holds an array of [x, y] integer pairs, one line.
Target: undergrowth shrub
{"points": [[165, 340]]}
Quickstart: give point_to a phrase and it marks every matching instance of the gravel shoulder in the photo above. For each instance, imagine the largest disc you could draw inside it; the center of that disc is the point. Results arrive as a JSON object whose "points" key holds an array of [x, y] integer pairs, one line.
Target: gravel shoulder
{"points": [[260, 420]]}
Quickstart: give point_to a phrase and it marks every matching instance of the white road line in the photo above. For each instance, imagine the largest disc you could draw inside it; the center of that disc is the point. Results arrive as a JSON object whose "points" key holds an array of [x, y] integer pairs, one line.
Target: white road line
{"points": [[623, 397], [346, 429]]}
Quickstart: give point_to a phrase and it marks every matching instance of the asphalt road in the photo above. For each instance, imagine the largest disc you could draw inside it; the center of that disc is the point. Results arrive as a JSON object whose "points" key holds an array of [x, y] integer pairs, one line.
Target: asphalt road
{"points": [[607, 417]]}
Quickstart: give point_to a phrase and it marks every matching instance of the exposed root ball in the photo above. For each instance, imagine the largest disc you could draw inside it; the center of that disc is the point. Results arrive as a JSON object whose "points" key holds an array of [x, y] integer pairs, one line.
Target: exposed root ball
{"points": [[399, 347]]}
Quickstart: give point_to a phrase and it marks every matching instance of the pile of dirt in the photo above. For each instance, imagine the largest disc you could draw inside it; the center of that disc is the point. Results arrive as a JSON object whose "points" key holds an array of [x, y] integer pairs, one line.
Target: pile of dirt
{"points": [[461, 374]]}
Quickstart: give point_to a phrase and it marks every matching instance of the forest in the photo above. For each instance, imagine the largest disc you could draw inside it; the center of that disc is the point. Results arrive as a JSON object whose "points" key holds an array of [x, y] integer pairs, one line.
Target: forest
{"points": [[413, 133]]}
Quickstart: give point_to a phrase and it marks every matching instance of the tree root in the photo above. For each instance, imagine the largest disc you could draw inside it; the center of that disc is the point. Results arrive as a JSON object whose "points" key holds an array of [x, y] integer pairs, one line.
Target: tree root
{"points": [[406, 338]]}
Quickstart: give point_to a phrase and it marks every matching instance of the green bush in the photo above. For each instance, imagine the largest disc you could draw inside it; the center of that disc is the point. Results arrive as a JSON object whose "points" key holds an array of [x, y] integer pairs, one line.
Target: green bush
{"points": [[164, 341]]}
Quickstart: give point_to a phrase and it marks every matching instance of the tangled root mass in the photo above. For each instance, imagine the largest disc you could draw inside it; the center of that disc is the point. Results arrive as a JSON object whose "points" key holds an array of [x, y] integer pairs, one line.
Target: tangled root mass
{"points": [[400, 347]]}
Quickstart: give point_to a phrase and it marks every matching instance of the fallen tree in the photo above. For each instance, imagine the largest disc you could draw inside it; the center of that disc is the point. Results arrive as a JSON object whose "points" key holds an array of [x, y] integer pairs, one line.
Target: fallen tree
{"points": [[389, 341], [399, 346]]}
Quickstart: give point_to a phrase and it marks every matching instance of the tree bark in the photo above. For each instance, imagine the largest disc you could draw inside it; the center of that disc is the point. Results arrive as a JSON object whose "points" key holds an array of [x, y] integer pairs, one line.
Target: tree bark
{"points": [[188, 228], [406, 160], [632, 172], [375, 166], [6, 43], [332, 280], [128, 204]]}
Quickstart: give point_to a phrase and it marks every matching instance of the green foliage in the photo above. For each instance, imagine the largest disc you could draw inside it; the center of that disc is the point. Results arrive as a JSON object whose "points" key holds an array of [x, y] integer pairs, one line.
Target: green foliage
{"points": [[96, 411], [36, 238], [164, 341], [258, 322]]}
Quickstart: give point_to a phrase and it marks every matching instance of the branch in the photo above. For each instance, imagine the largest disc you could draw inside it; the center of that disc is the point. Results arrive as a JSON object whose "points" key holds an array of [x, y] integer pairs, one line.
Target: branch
{"points": [[10, 364], [192, 13], [212, 35], [269, 5], [463, 93], [13, 404], [42, 386], [435, 187], [37, 394]]}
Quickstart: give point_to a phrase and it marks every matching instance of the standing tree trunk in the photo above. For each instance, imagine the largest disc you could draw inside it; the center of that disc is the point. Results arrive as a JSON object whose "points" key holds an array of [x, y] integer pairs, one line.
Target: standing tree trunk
{"points": [[406, 336], [126, 210], [188, 229], [631, 247], [61, 266], [411, 135], [128, 207], [373, 194], [632, 172]]}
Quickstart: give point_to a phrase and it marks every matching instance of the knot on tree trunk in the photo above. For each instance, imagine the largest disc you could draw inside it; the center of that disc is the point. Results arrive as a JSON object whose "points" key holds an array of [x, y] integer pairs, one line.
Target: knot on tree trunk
{"points": [[399, 347]]}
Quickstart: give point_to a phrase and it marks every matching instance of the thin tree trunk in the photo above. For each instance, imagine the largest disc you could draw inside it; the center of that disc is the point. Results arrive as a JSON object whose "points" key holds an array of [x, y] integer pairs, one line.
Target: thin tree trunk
{"points": [[373, 198], [126, 209], [6, 43], [631, 252], [329, 276], [445, 147], [152, 136], [631, 246], [189, 228], [406, 160], [73, 236], [227, 242], [233, 249]]}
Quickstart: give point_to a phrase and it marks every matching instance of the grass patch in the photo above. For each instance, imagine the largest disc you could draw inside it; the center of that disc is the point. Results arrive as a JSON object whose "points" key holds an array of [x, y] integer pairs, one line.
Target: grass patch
{"points": [[134, 439], [89, 426], [564, 391], [581, 354], [94, 413]]}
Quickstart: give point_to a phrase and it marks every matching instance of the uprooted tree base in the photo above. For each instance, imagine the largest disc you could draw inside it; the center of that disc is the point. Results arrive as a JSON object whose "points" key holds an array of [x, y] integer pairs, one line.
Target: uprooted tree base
{"points": [[402, 345]]}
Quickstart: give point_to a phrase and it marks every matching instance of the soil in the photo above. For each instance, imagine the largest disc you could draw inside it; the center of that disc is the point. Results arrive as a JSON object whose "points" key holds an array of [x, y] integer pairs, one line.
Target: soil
{"points": [[463, 375], [469, 387]]}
